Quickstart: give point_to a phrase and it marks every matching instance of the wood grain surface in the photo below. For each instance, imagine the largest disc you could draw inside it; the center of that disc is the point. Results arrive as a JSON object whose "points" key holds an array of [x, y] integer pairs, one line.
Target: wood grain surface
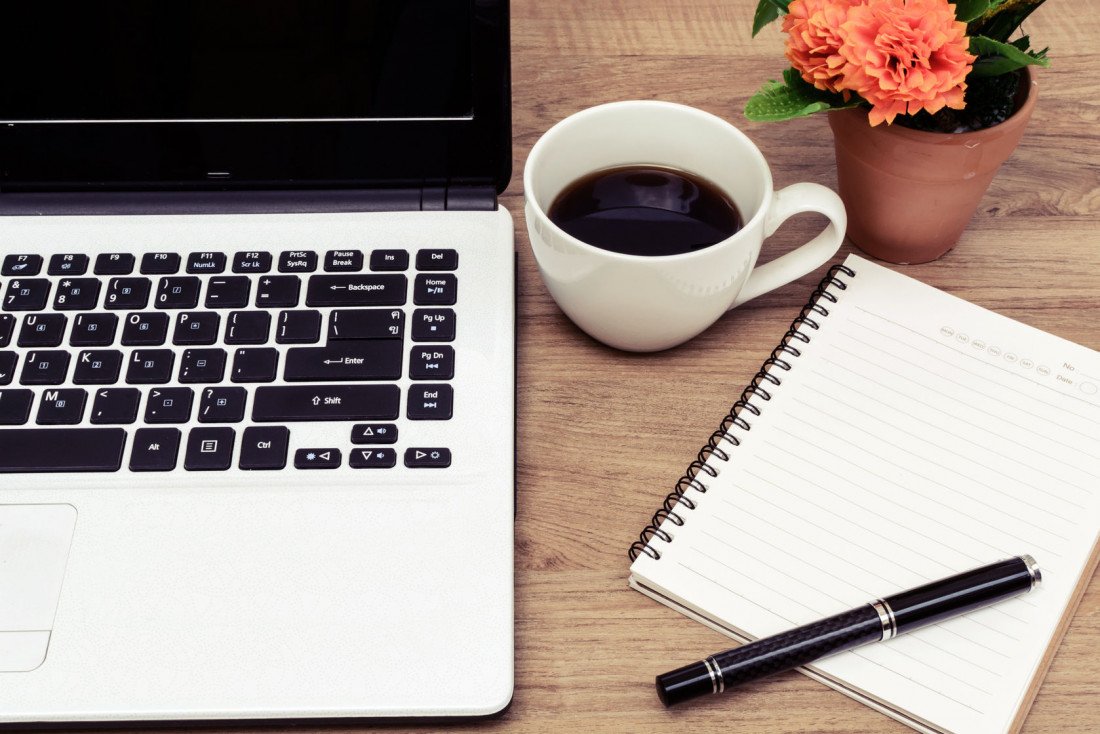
{"points": [[603, 435]]}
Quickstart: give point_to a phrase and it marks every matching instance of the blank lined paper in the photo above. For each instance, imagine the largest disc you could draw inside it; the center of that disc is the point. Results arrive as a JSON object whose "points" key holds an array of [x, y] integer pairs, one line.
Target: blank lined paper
{"points": [[916, 436]]}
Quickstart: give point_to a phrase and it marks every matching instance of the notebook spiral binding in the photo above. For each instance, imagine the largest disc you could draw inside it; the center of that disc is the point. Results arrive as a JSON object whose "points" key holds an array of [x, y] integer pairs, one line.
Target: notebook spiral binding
{"points": [[780, 357]]}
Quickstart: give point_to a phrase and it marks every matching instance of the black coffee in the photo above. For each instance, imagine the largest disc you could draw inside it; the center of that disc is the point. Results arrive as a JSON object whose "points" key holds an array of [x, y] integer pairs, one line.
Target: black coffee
{"points": [[645, 210]]}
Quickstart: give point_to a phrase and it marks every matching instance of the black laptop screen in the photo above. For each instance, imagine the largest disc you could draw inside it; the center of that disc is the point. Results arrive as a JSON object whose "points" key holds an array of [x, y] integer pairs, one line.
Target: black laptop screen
{"points": [[136, 95], [236, 60]]}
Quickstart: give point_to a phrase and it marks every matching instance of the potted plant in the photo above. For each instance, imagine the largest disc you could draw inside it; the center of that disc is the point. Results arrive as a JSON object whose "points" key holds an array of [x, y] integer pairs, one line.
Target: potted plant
{"points": [[926, 99]]}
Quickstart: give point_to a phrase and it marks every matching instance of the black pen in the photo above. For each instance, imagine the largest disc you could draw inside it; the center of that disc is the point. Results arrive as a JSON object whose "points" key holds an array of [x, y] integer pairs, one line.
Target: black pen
{"points": [[878, 620]]}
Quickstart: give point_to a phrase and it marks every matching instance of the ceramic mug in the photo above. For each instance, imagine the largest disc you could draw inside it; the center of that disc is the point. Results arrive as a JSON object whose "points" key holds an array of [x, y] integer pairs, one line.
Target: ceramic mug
{"points": [[646, 303]]}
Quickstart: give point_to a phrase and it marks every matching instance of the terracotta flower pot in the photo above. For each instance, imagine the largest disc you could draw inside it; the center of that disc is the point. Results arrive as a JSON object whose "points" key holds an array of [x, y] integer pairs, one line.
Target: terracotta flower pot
{"points": [[910, 193]]}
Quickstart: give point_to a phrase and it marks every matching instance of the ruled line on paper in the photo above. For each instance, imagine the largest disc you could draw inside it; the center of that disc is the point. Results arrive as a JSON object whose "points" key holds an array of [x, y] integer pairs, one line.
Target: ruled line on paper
{"points": [[978, 388], [1011, 373], [842, 603], [906, 549], [953, 489], [948, 451], [971, 424], [910, 659]]}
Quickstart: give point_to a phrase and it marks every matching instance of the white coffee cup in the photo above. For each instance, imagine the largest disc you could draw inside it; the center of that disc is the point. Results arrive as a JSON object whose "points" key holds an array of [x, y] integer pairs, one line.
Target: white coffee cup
{"points": [[645, 303]]}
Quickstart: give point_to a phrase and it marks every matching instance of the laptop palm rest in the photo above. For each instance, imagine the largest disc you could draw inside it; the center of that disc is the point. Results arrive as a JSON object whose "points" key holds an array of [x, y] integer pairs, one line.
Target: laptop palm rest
{"points": [[34, 548]]}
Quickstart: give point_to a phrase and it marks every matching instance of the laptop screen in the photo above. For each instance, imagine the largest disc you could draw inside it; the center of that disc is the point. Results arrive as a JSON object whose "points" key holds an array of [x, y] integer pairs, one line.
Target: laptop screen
{"points": [[247, 94], [236, 60]]}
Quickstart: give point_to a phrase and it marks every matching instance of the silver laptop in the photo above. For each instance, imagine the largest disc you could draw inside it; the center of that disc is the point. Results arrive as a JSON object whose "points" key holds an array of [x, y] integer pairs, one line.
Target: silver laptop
{"points": [[256, 361]]}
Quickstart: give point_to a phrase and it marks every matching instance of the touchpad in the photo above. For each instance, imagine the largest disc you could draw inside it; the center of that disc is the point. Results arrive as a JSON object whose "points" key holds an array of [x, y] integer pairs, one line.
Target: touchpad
{"points": [[34, 546]]}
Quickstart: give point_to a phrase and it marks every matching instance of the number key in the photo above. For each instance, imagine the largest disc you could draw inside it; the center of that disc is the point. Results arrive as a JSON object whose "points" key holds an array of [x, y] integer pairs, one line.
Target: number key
{"points": [[27, 294], [130, 293], [76, 294]]}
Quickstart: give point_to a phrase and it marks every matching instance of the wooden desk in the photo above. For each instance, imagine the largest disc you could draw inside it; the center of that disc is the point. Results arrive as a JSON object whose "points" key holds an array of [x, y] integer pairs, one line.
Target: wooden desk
{"points": [[603, 435]]}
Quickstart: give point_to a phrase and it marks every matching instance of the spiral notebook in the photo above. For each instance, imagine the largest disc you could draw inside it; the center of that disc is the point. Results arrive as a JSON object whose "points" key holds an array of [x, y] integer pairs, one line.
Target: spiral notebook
{"points": [[896, 435]]}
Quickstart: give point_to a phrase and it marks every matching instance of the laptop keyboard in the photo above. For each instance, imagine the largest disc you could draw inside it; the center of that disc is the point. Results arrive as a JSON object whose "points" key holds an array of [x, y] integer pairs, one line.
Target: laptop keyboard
{"points": [[209, 361]]}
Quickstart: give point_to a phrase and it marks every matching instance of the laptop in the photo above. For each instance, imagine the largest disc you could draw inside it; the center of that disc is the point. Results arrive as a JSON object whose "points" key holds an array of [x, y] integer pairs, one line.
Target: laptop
{"points": [[256, 361]]}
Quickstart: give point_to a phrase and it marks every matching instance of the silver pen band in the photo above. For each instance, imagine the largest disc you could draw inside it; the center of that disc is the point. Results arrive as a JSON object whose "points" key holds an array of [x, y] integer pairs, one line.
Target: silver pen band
{"points": [[718, 683], [885, 618]]}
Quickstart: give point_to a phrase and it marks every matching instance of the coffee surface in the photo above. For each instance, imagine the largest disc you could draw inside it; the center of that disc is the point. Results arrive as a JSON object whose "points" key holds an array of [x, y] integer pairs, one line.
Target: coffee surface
{"points": [[645, 210]]}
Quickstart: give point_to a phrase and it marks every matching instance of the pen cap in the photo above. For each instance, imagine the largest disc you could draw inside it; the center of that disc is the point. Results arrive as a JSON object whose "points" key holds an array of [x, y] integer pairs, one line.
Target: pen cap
{"points": [[688, 682], [962, 593]]}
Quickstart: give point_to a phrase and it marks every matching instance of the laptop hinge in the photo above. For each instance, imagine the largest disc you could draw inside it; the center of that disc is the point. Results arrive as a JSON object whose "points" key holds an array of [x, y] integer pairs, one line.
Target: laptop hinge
{"points": [[463, 198], [469, 198]]}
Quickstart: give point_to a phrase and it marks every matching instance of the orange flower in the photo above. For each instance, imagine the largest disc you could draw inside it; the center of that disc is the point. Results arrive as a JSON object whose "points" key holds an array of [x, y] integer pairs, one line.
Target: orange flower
{"points": [[813, 41], [903, 56]]}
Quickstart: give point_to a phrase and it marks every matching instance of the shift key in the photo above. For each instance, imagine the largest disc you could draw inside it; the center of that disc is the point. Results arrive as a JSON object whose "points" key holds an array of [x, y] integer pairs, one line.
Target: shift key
{"points": [[357, 289], [275, 404]]}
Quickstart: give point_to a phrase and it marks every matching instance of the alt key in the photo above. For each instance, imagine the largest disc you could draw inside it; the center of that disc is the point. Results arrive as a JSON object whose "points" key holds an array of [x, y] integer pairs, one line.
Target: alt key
{"points": [[317, 458]]}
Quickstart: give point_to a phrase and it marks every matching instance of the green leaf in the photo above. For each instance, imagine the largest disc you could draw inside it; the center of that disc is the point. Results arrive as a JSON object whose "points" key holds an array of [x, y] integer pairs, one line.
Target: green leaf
{"points": [[767, 11], [793, 97], [1002, 19], [968, 10], [996, 58]]}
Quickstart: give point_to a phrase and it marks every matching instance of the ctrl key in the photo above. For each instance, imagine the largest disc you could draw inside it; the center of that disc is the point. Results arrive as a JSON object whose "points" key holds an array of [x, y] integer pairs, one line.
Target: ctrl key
{"points": [[264, 447]]}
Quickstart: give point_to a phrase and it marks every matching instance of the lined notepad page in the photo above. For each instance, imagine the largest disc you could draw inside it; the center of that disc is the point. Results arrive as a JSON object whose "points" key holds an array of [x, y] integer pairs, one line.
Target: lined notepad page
{"points": [[917, 436]]}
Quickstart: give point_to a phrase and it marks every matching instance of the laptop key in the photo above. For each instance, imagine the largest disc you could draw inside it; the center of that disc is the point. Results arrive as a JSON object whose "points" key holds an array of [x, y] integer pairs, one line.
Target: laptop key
{"points": [[21, 265], [27, 294], [202, 365], [298, 327], [256, 364], [317, 458], [97, 367], [437, 259], [366, 323], [15, 408], [178, 291], [278, 291], [8, 360], [129, 293], [94, 330], [196, 327], [344, 261], [45, 367], [427, 458], [62, 407], [160, 263], [247, 327], [42, 330], [7, 326], [264, 447], [356, 290], [372, 458], [209, 449], [150, 366], [374, 433], [169, 405], [291, 403], [435, 289], [433, 325], [252, 262], [297, 261], [114, 263], [389, 260], [76, 294], [155, 449], [206, 262], [145, 329], [430, 402], [222, 405], [67, 264], [228, 292], [115, 405], [61, 449], [346, 360]]}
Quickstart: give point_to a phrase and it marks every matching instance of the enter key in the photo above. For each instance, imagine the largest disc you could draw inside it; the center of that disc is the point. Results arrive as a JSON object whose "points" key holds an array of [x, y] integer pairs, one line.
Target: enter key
{"points": [[368, 359]]}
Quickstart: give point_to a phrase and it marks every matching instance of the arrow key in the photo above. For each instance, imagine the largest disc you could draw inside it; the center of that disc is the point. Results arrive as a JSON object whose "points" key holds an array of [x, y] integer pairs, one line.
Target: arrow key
{"points": [[372, 458], [317, 458], [374, 433], [427, 458]]}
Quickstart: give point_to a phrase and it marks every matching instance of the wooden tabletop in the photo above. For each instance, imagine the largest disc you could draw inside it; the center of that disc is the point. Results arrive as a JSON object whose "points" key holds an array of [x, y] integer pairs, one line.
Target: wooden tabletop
{"points": [[604, 435]]}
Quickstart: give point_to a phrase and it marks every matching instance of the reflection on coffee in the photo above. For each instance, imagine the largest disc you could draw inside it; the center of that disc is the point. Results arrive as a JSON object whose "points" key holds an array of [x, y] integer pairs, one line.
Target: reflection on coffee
{"points": [[645, 210]]}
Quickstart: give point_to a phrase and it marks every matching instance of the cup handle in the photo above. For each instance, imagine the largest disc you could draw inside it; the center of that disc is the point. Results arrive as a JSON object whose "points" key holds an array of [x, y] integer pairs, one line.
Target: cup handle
{"points": [[796, 199]]}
